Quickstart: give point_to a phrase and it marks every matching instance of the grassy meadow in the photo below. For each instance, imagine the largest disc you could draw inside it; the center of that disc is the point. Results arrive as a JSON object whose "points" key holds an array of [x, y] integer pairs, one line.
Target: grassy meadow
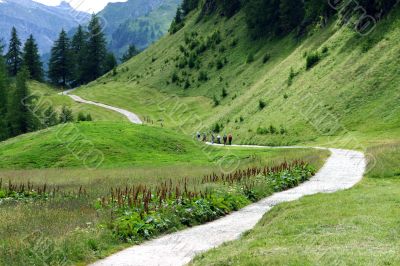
{"points": [[70, 229], [48, 95], [354, 227]]}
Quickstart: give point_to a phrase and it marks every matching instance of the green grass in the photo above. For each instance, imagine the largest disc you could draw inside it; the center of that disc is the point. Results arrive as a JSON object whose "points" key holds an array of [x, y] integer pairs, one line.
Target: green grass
{"points": [[351, 89], [48, 95], [71, 227], [115, 145], [349, 99], [354, 227]]}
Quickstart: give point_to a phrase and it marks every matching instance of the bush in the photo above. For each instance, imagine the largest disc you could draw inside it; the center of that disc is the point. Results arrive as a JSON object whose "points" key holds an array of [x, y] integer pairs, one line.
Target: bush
{"points": [[224, 93], [292, 75], [217, 128], [203, 76], [250, 58], [234, 42], [312, 59], [187, 84], [266, 58], [262, 104], [216, 101], [219, 64], [175, 77], [66, 115], [262, 131], [272, 129], [82, 117]]}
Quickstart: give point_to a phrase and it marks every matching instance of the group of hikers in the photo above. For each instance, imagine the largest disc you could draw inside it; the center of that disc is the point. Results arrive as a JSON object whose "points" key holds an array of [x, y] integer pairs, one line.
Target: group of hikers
{"points": [[226, 139]]}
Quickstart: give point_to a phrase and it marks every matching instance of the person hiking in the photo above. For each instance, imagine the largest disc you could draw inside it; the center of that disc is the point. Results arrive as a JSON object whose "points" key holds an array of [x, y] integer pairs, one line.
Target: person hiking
{"points": [[198, 136], [204, 137], [212, 138], [219, 139], [225, 139], [230, 138]]}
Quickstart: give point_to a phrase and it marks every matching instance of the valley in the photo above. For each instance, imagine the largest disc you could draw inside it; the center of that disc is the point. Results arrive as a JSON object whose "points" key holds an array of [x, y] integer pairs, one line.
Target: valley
{"points": [[312, 104]]}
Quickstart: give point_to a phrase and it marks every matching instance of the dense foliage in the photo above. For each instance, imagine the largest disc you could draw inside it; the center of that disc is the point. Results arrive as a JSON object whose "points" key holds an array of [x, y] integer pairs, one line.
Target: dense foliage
{"points": [[280, 17], [82, 59], [142, 212]]}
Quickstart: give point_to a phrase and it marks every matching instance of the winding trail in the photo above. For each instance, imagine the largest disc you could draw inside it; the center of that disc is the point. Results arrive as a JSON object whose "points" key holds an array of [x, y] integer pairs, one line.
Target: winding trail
{"points": [[131, 116], [342, 170]]}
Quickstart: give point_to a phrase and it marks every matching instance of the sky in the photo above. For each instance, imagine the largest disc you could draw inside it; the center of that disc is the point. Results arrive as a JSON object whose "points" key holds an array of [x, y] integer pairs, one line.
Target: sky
{"points": [[89, 6]]}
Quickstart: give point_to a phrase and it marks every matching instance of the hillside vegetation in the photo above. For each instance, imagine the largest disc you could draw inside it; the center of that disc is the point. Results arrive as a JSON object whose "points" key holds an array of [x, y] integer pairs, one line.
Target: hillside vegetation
{"points": [[252, 86], [330, 86]]}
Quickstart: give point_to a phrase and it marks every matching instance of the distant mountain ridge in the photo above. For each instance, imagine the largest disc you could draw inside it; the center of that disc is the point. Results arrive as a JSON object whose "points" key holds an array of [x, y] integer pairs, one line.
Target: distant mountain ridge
{"points": [[44, 22], [139, 22]]}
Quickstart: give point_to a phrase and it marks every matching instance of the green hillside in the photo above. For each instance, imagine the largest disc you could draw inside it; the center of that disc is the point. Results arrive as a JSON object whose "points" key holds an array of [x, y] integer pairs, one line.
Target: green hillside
{"points": [[116, 145], [263, 92], [47, 95], [353, 85]]}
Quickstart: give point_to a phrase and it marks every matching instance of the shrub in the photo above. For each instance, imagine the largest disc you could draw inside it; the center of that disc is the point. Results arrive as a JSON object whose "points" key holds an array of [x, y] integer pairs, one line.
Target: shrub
{"points": [[234, 42], [292, 75], [217, 128], [266, 58], [312, 59], [219, 64], [272, 129], [203, 76], [283, 130], [66, 115], [187, 84], [224, 93], [175, 77], [192, 60], [262, 131], [216, 101], [250, 58], [89, 117], [262, 104], [82, 117]]}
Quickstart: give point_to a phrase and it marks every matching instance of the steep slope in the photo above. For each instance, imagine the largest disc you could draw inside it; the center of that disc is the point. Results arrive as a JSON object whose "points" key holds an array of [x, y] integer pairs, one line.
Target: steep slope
{"points": [[44, 22], [262, 90], [138, 22]]}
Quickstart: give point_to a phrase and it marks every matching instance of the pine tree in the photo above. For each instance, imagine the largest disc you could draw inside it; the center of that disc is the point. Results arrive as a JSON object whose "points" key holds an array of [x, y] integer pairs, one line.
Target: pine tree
{"points": [[50, 117], [61, 63], [19, 116], [3, 98], [31, 59], [66, 115], [110, 62], [291, 14], [96, 51], [131, 52], [189, 5], [79, 47], [14, 55], [262, 16]]}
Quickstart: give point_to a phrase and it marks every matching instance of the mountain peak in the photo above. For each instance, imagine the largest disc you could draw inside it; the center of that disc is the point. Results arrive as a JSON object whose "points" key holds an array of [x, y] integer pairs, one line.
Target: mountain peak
{"points": [[65, 5]]}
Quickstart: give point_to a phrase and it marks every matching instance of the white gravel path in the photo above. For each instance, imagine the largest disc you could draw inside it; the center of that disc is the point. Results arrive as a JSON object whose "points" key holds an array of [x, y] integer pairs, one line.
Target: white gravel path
{"points": [[131, 116], [342, 170]]}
